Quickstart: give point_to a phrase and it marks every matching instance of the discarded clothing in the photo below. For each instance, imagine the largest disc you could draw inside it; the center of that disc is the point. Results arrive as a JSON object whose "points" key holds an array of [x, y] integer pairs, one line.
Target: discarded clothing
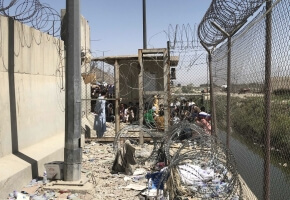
{"points": [[124, 159]]}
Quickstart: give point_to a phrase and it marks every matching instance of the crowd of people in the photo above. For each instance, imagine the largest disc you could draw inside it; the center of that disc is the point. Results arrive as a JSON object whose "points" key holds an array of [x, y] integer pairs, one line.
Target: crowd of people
{"points": [[179, 110], [104, 110], [96, 90], [190, 111], [129, 113]]}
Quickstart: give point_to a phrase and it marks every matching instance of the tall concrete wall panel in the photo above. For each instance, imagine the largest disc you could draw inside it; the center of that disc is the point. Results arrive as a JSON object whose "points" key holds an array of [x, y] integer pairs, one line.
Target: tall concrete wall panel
{"points": [[3, 44], [5, 123], [39, 111], [85, 35], [32, 101], [37, 85]]}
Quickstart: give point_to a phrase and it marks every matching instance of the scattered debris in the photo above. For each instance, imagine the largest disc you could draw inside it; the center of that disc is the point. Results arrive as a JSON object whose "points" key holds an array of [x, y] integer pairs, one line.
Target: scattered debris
{"points": [[195, 167]]}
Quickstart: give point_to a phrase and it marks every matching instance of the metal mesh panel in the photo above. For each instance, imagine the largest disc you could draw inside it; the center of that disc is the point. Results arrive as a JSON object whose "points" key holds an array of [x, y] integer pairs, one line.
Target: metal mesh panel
{"points": [[129, 96], [97, 76], [191, 86]]}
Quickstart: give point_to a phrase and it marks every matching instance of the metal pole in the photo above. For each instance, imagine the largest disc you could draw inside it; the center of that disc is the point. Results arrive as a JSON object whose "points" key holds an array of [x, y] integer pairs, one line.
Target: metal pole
{"points": [[144, 26], [72, 150], [86, 85], [166, 75], [117, 96], [229, 92], [141, 90], [103, 66], [212, 96], [267, 118]]}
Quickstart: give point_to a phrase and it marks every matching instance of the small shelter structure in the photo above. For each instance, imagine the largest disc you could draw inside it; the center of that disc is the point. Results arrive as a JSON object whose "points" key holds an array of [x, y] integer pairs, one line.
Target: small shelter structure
{"points": [[137, 78]]}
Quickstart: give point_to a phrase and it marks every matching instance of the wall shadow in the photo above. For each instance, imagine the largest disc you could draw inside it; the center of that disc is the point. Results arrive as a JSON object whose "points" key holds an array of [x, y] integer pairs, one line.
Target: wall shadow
{"points": [[87, 131], [13, 106]]}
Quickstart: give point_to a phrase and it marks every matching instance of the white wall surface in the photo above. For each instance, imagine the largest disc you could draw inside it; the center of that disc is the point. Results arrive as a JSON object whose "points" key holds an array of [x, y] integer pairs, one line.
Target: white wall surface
{"points": [[36, 84]]}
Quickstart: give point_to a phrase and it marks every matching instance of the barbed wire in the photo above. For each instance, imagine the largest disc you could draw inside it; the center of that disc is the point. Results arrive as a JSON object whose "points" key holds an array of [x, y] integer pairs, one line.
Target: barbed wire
{"points": [[33, 13], [183, 37], [248, 50], [228, 14], [187, 158], [40, 17]]}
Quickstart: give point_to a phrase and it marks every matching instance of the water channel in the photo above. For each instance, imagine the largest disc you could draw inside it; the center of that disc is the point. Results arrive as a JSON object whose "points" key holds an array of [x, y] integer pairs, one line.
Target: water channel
{"points": [[250, 164]]}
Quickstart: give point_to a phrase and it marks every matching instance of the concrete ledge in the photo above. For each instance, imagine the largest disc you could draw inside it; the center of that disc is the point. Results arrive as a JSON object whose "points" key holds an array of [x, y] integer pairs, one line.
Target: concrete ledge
{"points": [[247, 192], [17, 170], [81, 186]]}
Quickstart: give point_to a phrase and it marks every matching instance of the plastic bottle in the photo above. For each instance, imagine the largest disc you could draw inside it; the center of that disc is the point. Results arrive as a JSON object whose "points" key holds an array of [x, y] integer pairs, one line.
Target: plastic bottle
{"points": [[150, 184], [236, 197], [15, 193], [137, 178], [44, 177]]}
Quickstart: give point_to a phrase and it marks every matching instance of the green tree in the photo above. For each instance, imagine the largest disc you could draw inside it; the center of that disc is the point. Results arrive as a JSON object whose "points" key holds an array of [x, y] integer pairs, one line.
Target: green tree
{"points": [[188, 88]]}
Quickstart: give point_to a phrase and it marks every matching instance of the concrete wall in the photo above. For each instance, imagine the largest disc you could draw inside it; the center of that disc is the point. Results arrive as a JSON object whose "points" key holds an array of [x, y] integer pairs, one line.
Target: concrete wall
{"points": [[5, 122], [32, 102], [31, 98]]}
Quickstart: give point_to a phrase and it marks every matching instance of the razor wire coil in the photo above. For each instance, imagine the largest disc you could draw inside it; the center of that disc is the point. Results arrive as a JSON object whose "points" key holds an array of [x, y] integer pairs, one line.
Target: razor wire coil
{"points": [[34, 13], [228, 14], [201, 150]]}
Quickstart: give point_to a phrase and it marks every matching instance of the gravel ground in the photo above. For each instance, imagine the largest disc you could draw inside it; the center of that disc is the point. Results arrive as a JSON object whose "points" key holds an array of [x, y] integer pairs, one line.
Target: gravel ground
{"points": [[97, 164], [98, 161]]}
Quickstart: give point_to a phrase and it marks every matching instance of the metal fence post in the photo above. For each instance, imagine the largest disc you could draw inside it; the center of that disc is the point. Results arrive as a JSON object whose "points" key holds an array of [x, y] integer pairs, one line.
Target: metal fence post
{"points": [[212, 96], [166, 83], [228, 81], [267, 98], [141, 90], [117, 96], [229, 92]]}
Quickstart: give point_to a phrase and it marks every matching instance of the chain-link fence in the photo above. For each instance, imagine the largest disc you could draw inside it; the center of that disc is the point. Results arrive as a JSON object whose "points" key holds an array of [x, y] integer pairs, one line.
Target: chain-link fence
{"points": [[190, 86], [252, 66], [172, 85], [97, 76], [249, 89]]}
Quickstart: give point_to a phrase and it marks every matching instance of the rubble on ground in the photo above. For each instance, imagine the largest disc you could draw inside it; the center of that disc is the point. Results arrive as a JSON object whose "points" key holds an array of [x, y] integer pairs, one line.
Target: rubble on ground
{"points": [[176, 167]]}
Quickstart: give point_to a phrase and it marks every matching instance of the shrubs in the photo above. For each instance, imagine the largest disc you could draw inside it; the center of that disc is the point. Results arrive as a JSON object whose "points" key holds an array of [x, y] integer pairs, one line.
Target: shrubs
{"points": [[282, 91], [247, 119]]}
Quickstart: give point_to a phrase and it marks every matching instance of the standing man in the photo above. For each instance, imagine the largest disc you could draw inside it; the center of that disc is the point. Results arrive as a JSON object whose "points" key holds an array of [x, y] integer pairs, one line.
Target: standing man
{"points": [[100, 115]]}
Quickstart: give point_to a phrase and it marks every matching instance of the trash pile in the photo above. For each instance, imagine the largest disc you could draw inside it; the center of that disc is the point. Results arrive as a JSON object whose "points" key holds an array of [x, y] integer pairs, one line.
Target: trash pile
{"points": [[35, 191], [187, 163], [97, 161]]}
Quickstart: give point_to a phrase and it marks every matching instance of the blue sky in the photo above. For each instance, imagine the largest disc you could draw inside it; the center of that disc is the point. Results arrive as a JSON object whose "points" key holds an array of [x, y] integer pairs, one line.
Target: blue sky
{"points": [[117, 24]]}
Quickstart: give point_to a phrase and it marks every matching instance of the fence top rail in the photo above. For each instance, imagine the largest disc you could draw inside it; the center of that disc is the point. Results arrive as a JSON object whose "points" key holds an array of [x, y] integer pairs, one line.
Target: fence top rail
{"points": [[134, 58]]}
